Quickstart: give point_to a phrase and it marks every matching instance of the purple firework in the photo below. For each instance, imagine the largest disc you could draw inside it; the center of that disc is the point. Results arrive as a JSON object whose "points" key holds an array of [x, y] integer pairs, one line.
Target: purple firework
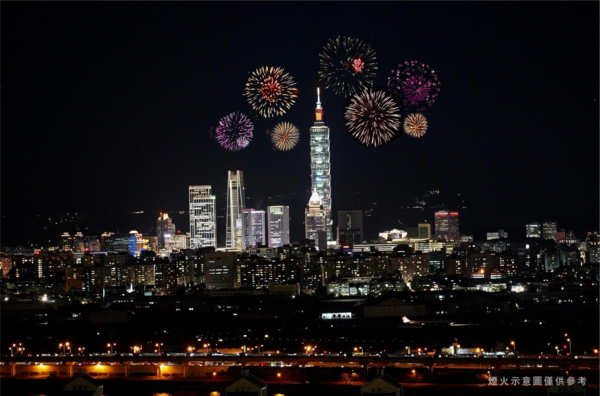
{"points": [[417, 83], [234, 131]]}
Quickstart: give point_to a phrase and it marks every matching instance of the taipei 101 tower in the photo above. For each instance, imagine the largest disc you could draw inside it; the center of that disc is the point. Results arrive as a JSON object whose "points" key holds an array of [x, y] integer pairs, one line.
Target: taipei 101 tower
{"points": [[320, 164]]}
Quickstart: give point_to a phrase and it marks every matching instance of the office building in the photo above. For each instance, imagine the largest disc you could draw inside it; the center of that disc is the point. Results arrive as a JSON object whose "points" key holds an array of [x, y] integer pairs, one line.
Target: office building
{"points": [[350, 227], [549, 230], [164, 226], [236, 201], [320, 165], [446, 225], [116, 243], [425, 230], [221, 270], [533, 230], [315, 221], [203, 217], [278, 222], [253, 227]]}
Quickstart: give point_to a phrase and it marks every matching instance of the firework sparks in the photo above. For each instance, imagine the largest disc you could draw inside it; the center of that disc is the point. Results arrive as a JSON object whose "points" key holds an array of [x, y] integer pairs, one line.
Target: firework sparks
{"points": [[417, 83], [347, 65], [285, 136], [415, 125], [270, 91], [373, 117], [234, 131]]}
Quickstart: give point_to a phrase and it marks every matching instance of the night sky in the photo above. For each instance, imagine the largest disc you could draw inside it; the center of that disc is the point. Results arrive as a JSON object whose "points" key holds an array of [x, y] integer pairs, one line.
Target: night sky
{"points": [[108, 109]]}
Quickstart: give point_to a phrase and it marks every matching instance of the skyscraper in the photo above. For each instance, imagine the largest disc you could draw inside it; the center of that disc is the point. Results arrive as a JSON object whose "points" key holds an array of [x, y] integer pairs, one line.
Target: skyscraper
{"points": [[425, 230], [320, 168], [203, 217], [164, 226], [533, 230], [253, 227], [350, 227], [236, 201], [315, 221], [549, 230], [278, 221], [446, 225]]}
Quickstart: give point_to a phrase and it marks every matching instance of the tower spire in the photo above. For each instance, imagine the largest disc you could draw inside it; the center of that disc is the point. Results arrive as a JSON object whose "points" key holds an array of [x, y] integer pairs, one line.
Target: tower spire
{"points": [[319, 109]]}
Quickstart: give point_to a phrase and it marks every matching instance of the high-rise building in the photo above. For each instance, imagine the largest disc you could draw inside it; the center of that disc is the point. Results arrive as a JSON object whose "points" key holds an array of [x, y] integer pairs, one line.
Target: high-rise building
{"points": [[278, 221], [236, 201], [253, 227], [203, 217], [164, 226], [425, 230], [315, 221], [220, 270], [320, 165], [533, 230], [350, 227], [549, 230], [446, 225]]}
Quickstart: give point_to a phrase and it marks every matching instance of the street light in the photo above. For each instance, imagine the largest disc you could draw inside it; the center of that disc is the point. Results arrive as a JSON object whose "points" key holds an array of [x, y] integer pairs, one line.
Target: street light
{"points": [[158, 345], [81, 349], [361, 350], [514, 346], [568, 339], [109, 345]]}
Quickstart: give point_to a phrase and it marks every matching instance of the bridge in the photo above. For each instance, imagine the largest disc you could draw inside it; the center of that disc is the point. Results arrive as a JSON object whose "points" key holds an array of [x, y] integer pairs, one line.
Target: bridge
{"points": [[204, 366]]}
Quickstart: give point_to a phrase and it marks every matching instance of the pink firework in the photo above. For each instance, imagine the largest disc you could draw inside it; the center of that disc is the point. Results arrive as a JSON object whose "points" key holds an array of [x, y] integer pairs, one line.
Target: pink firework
{"points": [[234, 131], [358, 65], [417, 83]]}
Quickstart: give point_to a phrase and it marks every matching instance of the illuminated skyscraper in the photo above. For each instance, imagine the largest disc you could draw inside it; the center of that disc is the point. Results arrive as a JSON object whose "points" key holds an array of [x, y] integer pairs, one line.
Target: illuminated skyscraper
{"points": [[236, 201], [203, 217], [549, 230], [320, 165], [533, 230], [164, 226], [315, 221], [253, 227], [278, 221], [446, 225]]}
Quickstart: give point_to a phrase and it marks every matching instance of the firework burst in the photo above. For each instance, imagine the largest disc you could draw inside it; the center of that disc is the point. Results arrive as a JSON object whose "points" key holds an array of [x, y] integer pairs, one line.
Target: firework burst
{"points": [[347, 65], [373, 117], [415, 125], [285, 136], [270, 91], [234, 131], [417, 83]]}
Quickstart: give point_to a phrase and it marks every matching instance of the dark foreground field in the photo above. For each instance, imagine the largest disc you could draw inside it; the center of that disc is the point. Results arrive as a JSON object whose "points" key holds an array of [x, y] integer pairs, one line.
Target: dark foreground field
{"points": [[19, 387]]}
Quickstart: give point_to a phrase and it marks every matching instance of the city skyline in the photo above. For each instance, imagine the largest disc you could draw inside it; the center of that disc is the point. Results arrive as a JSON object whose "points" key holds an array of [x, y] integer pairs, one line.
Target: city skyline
{"points": [[87, 114]]}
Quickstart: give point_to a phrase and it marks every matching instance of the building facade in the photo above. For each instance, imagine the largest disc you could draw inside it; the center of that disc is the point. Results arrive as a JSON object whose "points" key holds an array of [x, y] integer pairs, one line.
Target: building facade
{"points": [[549, 230], [278, 222], [446, 225], [533, 230], [236, 201], [164, 226], [350, 227], [315, 226], [203, 217], [253, 227], [320, 165]]}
